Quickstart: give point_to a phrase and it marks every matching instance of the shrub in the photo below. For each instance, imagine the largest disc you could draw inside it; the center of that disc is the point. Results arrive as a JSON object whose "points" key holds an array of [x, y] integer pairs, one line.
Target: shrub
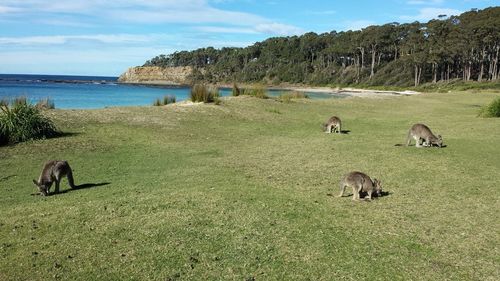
{"points": [[4, 102], [287, 97], [200, 93], [236, 91], [258, 91], [23, 121], [168, 99], [492, 109], [157, 102], [46, 103]]}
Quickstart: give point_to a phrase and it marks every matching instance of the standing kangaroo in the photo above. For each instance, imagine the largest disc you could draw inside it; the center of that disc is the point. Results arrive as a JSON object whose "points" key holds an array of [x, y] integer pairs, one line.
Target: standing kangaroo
{"points": [[54, 171], [421, 132], [360, 182], [333, 125]]}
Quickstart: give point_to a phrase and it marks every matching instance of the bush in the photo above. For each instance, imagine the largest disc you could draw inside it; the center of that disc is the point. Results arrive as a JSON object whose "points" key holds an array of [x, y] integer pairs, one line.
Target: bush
{"points": [[492, 109], [201, 93], [287, 97], [46, 103], [258, 91], [23, 121], [168, 99], [157, 102]]}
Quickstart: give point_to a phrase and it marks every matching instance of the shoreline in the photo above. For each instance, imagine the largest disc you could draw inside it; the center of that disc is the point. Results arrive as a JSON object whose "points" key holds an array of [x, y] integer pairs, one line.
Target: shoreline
{"points": [[354, 92]]}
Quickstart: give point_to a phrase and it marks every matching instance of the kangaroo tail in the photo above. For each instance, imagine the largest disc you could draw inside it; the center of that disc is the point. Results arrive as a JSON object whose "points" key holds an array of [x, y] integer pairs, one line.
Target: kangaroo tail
{"points": [[71, 181], [408, 138]]}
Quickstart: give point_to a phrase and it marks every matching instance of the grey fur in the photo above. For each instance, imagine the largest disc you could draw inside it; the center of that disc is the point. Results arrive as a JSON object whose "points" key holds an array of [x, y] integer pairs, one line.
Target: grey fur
{"points": [[333, 125], [421, 132], [54, 171], [359, 182]]}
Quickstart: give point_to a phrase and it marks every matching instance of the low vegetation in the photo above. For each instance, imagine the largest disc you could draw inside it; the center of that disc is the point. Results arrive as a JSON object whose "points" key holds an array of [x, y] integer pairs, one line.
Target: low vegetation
{"points": [[247, 191], [257, 91], [167, 99], [21, 121], [289, 96], [204, 93], [46, 103], [492, 109]]}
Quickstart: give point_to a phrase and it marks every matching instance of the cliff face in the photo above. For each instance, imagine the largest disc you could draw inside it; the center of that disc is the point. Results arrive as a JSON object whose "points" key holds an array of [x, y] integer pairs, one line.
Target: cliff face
{"points": [[157, 75]]}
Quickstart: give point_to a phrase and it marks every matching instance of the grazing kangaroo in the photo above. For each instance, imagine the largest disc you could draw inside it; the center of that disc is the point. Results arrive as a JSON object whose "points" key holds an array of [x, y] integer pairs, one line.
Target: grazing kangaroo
{"points": [[421, 132], [54, 171], [360, 182], [333, 125]]}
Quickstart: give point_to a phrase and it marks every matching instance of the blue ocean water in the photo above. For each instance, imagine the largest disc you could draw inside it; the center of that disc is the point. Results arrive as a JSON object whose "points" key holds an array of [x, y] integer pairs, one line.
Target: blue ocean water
{"points": [[90, 92]]}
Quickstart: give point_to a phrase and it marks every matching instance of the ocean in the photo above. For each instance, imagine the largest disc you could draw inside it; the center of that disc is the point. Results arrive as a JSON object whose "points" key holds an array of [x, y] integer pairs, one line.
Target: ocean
{"points": [[92, 92]]}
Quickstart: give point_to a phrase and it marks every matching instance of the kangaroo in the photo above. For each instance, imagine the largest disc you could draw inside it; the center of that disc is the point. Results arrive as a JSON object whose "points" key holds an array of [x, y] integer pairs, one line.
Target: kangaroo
{"points": [[421, 132], [333, 125], [54, 171], [360, 182]]}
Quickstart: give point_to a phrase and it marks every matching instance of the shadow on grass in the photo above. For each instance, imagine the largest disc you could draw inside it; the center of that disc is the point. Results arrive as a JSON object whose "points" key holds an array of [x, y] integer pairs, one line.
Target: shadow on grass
{"points": [[434, 145], [53, 136], [345, 132], [82, 186], [363, 195], [7, 177]]}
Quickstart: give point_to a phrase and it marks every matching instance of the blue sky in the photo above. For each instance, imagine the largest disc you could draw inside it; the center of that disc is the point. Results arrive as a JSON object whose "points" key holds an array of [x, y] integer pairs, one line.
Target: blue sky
{"points": [[104, 37]]}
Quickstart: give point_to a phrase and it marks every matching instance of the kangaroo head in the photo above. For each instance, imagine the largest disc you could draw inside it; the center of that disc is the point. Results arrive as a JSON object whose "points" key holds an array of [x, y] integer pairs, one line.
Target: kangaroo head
{"points": [[44, 190], [378, 187], [439, 141]]}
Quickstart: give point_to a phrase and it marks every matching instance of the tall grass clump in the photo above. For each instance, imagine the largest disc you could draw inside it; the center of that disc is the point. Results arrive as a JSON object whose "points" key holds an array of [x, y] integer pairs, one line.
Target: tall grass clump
{"points": [[258, 91], [22, 121], [46, 103], [157, 102], [236, 90], [492, 109], [202, 93], [289, 96], [168, 99]]}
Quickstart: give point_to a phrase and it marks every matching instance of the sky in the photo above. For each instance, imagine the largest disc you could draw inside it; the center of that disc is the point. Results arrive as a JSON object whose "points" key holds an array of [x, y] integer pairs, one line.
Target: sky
{"points": [[105, 37]]}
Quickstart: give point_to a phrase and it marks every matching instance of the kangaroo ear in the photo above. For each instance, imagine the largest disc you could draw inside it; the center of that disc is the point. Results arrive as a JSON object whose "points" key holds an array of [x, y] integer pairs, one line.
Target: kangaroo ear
{"points": [[35, 182]]}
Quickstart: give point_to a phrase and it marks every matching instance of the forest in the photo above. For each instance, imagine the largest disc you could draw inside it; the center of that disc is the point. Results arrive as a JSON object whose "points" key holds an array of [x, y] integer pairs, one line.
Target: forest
{"points": [[463, 47]]}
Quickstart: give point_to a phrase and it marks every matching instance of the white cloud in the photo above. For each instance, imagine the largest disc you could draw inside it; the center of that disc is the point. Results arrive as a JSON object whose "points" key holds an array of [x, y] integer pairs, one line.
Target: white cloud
{"points": [[425, 2], [220, 29], [62, 39], [278, 29], [7, 9], [427, 14]]}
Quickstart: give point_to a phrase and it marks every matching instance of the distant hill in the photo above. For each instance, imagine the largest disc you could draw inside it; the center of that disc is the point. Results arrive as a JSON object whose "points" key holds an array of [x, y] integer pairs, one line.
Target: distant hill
{"points": [[464, 47]]}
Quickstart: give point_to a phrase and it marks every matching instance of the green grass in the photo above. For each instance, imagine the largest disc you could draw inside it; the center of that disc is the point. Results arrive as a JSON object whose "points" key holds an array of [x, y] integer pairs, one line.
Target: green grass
{"points": [[492, 109], [236, 191]]}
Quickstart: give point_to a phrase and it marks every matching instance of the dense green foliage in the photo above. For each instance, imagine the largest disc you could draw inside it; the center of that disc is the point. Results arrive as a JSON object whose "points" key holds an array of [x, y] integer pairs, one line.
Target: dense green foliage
{"points": [[22, 121], [464, 47], [492, 109]]}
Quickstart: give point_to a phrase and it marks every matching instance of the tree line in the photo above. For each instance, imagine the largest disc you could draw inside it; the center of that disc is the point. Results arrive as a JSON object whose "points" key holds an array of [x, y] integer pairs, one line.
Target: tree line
{"points": [[464, 47]]}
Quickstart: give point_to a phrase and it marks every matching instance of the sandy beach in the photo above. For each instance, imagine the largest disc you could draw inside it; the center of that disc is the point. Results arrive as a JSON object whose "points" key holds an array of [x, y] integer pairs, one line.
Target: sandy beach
{"points": [[352, 91]]}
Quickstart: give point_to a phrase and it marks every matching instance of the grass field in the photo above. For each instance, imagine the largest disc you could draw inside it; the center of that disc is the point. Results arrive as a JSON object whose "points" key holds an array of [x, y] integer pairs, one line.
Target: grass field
{"points": [[246, 190]]}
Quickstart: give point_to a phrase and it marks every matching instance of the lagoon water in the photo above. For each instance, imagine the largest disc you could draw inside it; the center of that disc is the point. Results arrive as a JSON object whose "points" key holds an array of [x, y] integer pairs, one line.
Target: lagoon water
{"points": [[90, 92]]}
